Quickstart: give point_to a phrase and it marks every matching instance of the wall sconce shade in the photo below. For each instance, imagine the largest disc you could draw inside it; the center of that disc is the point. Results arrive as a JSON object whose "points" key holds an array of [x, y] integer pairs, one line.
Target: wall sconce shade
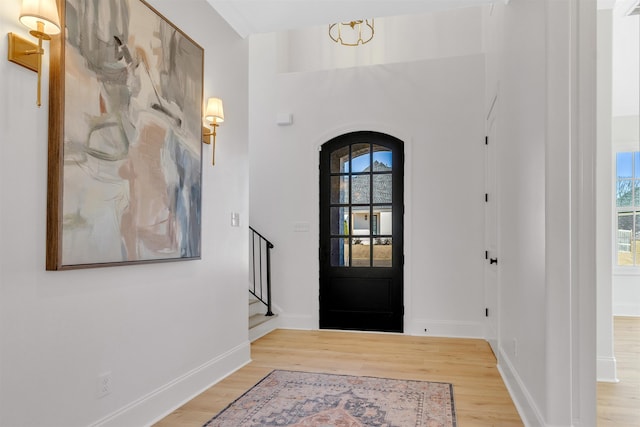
{"points": [[41, 16], [43, 11], [214, 114]]}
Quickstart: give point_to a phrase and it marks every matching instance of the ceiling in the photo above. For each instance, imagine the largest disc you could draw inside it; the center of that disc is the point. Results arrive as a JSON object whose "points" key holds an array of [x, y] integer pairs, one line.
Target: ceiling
{"points": [[248, 17]]}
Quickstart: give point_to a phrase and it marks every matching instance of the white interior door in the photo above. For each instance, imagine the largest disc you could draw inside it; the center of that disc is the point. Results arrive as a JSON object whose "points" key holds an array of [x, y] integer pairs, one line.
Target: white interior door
{"points": [[491, 270]]}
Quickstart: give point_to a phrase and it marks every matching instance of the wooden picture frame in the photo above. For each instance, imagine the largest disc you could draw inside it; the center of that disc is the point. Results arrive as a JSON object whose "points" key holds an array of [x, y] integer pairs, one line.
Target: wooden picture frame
{"points": [[125, 125]]}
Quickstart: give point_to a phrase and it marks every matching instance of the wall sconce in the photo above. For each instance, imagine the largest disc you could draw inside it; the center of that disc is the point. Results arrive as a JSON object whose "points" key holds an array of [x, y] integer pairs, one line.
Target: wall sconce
{"points": [[41, 16], [215, 115]]}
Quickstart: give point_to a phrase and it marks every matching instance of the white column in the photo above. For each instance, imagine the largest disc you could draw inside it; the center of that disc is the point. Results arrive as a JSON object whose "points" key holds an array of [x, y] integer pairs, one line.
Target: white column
{"points": [[606, 362]]}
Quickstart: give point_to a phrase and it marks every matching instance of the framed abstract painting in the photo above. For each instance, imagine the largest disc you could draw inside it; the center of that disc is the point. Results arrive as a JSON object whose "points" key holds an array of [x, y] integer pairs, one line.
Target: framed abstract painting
{"points": [[125, 158]]}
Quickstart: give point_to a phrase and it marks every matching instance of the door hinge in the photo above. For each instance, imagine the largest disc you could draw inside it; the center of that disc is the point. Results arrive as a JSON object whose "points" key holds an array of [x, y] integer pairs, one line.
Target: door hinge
{"points": [[486, 254], [486, 312], [486, 140], [486, 197]]}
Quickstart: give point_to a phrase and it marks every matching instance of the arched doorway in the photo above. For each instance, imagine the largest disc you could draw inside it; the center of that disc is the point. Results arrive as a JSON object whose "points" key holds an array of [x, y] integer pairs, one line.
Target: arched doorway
{"points": [[361, 232]]}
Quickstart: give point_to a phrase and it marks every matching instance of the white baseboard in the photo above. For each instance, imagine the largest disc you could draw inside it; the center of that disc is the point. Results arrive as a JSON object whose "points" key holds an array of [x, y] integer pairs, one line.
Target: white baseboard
{"points": [[264, 328], [630, 310], [306, 323], [435, 328], [443, 328], [521, 397], [155, 405], [606, 370]]}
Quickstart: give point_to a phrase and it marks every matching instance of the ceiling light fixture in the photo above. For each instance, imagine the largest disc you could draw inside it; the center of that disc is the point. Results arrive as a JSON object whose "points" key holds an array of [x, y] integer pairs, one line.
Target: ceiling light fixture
{"points": [[352, 33]]}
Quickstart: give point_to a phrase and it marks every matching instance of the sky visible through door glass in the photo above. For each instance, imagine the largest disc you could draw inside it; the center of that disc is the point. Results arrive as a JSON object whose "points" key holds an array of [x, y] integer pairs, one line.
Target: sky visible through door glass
{"points": [[361, 163]]}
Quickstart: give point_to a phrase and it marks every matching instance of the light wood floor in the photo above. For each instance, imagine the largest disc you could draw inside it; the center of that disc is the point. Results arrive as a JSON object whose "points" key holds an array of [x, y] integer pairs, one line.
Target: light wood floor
{"points": [[481, 397], [619, 403]]}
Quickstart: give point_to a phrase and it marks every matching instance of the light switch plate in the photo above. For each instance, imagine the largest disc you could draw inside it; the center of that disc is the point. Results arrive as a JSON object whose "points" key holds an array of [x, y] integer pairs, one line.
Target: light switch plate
{"points": [[301, 227], [235, 219]]}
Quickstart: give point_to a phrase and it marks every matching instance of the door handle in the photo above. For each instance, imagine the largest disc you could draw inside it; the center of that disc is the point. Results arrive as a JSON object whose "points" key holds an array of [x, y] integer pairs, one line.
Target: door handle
{"points": [[493, 261]]}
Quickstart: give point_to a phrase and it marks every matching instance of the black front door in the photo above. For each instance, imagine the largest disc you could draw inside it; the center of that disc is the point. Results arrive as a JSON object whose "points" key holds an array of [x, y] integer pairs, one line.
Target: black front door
{"points": [[361, 220]]}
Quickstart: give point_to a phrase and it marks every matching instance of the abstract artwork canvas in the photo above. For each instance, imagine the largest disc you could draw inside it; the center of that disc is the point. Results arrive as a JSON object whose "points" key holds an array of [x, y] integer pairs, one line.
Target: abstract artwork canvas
{"points": [[125, 158]]}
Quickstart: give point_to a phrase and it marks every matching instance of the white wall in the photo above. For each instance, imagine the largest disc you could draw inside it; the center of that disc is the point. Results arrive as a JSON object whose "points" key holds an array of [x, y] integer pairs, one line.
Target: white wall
{"points": [[626, 294], [547, 292], [521, 187], [626, 60], [436, 107], [626, 133], [165, 331]]}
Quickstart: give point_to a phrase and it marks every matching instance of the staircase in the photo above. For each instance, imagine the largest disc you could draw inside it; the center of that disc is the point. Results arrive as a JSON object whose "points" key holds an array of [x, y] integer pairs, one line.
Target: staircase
{"points": [[259, 323], [262, 320]]}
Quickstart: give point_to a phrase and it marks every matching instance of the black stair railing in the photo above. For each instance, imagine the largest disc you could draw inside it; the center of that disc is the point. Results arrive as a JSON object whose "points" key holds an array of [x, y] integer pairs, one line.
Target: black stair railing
{"points": [[261, 269]]}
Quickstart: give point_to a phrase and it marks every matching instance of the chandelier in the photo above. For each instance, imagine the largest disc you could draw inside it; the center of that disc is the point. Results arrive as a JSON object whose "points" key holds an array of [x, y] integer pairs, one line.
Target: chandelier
{"points": [[352, 33]]}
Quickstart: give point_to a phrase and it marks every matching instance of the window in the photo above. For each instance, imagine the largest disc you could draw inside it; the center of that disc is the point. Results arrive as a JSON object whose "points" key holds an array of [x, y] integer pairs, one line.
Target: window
{"points": [[361, 205], [628, 208]]}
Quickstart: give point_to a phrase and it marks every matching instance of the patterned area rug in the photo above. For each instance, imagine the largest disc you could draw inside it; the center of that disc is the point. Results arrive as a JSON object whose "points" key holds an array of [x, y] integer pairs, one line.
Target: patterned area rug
{"points": [[304, 399]]}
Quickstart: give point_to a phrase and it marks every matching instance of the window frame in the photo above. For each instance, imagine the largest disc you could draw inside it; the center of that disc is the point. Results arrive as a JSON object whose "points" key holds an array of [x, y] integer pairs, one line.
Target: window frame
{"points": [[618, 269]]}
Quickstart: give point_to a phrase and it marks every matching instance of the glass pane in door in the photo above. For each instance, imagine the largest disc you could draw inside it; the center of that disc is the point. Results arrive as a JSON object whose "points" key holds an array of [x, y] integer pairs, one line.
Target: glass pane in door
{"points": [[360, 221], [339, 221], [360, 189], [340, 252], [382, 254], [340, 189], [382, 188], [382, 159], [360, 158], [340, 160], [361, 252], [384, 215]]}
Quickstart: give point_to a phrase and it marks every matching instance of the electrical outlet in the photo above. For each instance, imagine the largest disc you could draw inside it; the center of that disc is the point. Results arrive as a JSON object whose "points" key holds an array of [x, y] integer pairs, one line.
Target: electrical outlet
{"points": [[105, 382], [426, 330]]}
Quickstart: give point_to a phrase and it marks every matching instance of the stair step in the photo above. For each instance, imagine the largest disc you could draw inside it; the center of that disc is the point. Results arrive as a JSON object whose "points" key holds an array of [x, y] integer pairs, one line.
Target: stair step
{"points": [[256, 307], [259, 319]]}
